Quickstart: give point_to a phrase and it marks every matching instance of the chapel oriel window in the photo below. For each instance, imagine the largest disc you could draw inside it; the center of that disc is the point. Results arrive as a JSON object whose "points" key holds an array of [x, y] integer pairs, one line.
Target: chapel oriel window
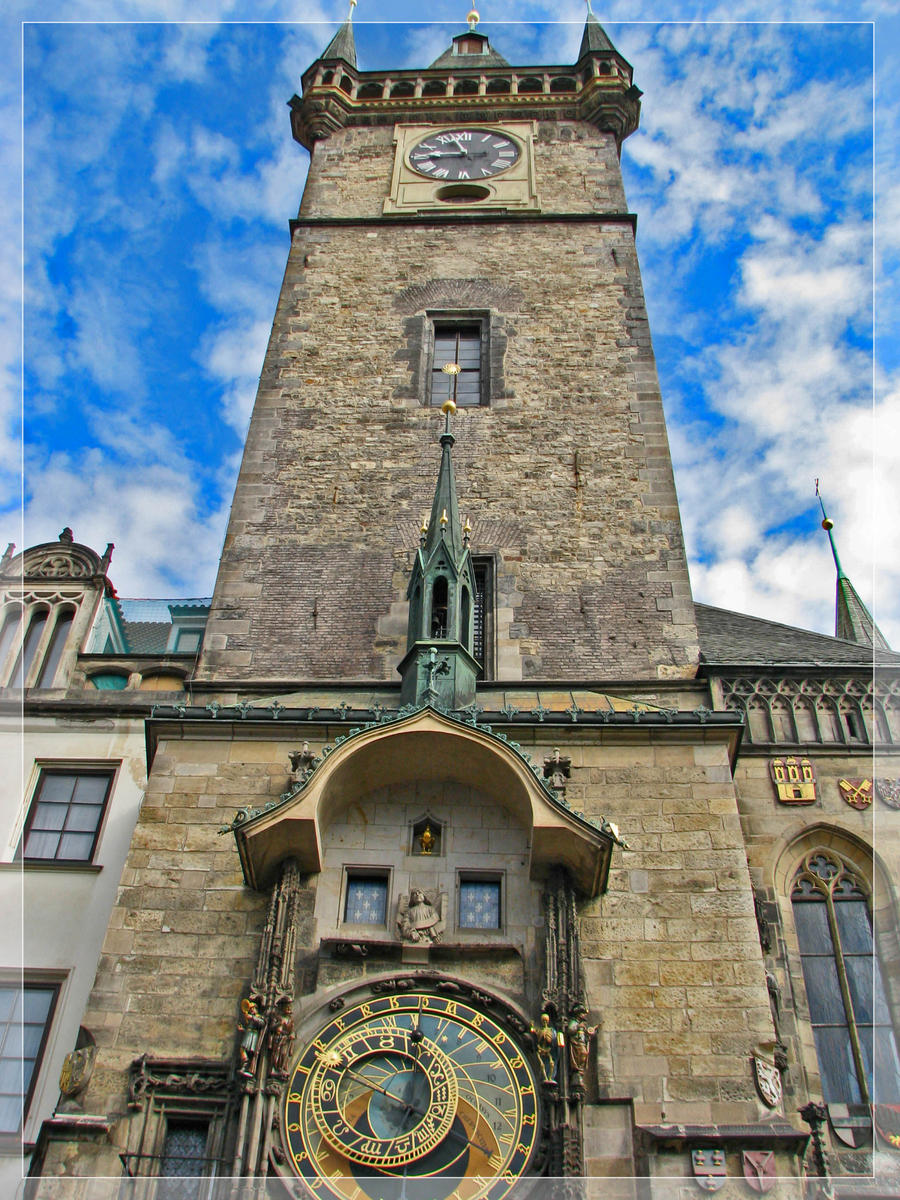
{"points": [[855, 1044], [65, 815]]}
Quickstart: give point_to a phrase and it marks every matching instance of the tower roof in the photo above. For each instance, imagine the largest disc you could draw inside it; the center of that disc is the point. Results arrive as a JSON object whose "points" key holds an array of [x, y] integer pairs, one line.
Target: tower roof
{"points": [[444, 526], [594, 40], [852, 620], [469, 49], [342, 45]]}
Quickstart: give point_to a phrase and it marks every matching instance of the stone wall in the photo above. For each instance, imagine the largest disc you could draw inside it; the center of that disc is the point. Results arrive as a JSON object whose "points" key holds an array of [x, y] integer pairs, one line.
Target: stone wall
{"points": [[566, 477]]}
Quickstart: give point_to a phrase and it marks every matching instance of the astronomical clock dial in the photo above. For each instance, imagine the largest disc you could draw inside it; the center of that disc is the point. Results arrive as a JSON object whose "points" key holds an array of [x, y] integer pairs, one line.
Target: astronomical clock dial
{"points": [[456, 154], [411, 1086]]}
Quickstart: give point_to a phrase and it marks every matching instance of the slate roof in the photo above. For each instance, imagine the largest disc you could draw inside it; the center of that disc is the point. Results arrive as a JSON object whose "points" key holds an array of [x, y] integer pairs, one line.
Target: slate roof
{"points": [[735, 638], [147, 637]]}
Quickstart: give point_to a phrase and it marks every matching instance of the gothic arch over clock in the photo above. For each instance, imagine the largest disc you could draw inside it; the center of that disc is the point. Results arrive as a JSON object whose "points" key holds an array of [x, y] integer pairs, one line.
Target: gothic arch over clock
{"points": [[413, 1078]]}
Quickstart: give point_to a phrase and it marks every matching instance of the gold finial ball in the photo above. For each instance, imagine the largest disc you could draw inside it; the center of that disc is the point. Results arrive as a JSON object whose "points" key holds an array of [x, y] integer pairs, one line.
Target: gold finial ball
{"points": [[828, 523], [448, 407], [472, 19]]}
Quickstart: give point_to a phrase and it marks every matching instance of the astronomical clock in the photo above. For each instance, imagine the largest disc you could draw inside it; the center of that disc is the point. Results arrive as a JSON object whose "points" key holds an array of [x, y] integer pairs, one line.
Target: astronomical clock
{"points": [[414, 1084]]}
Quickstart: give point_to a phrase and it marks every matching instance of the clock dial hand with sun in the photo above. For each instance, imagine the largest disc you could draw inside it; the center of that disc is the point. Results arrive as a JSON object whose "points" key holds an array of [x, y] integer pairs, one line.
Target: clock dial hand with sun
{"points": [[412, 1085]]}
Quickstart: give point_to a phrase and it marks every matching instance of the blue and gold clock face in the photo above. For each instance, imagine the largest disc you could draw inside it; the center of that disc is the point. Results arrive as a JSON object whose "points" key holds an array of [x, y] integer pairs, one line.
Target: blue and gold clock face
{"points": [[412, 1086]]}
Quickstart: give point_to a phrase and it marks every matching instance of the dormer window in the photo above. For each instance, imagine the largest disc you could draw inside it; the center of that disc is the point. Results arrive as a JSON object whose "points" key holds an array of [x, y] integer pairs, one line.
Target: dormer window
{"points": [[470, 44]]}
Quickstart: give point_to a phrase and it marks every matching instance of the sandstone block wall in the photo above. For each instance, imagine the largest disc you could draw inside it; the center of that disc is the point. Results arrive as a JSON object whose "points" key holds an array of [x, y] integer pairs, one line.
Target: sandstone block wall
{"points": [[566, 475]]}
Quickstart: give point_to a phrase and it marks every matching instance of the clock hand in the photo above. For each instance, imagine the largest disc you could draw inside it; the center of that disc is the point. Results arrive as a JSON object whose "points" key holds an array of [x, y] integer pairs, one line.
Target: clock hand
{"points": [[413, 1109], [375, 1088], [459, 143]]}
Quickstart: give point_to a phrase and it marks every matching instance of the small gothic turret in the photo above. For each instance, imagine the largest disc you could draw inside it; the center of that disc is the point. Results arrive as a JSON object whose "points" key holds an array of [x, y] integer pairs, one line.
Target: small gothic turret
{"points": [[343, 45], [439, 667], [852, 620]]}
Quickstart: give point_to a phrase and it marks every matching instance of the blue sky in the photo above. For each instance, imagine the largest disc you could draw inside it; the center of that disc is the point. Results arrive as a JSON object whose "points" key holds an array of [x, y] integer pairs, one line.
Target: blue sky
{"points": [[160, 175]]}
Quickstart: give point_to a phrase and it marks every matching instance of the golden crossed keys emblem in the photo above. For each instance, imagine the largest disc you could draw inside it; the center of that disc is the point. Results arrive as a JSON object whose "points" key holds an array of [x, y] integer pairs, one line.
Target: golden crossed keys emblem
{"points": [[857, 792]]}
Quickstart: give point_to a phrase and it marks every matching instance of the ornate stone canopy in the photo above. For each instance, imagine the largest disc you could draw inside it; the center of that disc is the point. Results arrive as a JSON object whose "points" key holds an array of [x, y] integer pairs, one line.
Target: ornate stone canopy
{"points": [[425, 746]]}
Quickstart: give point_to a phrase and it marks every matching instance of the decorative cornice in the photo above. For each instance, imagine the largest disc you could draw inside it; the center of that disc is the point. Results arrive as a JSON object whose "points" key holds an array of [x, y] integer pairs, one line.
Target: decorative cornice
{"points": [[467, 717]]}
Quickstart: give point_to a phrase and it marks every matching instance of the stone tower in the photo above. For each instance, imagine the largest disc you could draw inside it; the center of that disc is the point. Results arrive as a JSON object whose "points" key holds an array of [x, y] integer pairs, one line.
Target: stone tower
{"points": [[456, 863], [518, 261]]}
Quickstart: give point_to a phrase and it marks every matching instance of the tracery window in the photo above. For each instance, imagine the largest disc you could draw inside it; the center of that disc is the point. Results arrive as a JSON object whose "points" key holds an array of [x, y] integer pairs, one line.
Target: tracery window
{"points": [[848, 1010]]}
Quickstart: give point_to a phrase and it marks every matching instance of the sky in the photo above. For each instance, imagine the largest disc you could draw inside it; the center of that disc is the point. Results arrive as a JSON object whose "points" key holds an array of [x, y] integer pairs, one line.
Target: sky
{"points": [[147, 177]]}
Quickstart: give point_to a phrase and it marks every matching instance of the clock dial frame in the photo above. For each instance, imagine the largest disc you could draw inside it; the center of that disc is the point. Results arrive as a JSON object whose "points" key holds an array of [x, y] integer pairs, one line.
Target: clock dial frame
{"points": [[464, 155], [412, 1085]]}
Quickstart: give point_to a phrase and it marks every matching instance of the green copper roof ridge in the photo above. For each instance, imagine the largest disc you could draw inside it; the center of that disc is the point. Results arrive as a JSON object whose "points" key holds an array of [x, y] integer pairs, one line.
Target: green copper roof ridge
{"points": [[342, 45]]}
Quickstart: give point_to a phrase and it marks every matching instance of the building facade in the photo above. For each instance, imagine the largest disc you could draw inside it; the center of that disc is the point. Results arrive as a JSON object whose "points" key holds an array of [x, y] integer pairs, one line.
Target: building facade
{"points": [[470, 851]]}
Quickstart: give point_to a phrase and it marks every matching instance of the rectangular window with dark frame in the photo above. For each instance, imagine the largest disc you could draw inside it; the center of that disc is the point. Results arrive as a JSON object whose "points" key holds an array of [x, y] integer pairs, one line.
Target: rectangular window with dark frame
{"points": [[479, 902], [483, 616], [457, 363], [65, 815], [25, 1015], [365, 901]]}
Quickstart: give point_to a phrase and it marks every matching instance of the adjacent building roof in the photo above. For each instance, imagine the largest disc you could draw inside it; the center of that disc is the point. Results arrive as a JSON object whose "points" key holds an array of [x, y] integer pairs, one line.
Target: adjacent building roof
{"points": [[735, 638]]}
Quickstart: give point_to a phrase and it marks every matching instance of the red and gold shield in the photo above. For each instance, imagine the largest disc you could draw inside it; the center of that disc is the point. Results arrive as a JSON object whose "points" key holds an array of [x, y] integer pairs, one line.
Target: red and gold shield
{"points": [[759, 1169], [857, 792]]}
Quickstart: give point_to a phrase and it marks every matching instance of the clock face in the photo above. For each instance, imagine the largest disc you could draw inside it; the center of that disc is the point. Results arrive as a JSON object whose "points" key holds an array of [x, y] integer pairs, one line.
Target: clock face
{"points": [[463, 154], [412, 1086]]}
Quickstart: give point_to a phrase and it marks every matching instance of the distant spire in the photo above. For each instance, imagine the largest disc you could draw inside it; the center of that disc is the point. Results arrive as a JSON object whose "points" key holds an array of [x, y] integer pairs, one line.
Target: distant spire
{"points": [[343, 44], [852, 620], [594, 39]]}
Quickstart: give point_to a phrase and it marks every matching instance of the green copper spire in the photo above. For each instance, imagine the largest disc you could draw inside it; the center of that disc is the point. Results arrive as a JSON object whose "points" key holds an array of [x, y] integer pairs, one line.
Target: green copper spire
{"points": [[438, 667], [852, 620], [343, 44], [444, 527]]}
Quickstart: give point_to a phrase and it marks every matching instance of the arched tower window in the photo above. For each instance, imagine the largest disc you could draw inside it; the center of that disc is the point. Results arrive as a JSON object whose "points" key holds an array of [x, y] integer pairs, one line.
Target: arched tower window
{"points": [[855, 1044], [11, 619], [439, 608], [465, 609], [61, 631], [33, 636]]}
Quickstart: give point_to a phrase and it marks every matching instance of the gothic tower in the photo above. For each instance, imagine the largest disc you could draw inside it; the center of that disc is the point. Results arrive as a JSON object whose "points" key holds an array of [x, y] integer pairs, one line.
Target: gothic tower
{"points": [[470, 214], [441, 876]]}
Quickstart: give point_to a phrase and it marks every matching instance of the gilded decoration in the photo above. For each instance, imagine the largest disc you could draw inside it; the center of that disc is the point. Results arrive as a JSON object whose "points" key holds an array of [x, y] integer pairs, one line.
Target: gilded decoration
{"points": [[794, 780], [856, 792]]}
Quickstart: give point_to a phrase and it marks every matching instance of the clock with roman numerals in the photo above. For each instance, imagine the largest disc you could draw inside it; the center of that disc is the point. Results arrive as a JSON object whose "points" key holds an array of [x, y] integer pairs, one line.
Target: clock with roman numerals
{"points": [[413, 1085], [460, 154]]}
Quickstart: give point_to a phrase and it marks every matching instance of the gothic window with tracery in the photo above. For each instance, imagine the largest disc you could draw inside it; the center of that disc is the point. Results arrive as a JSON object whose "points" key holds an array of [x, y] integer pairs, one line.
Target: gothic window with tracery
{"points": [[848, 1010]]}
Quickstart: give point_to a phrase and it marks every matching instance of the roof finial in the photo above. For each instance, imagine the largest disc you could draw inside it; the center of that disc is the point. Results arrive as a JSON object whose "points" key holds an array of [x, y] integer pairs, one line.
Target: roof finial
{"points": [[828, 525], [590, 10], [353, 4], [472, 19]]}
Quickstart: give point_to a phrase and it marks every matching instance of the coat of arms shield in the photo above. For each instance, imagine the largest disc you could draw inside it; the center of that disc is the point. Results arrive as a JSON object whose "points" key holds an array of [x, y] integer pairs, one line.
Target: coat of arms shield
{"points": [[759, 1169], [709, 1169]]}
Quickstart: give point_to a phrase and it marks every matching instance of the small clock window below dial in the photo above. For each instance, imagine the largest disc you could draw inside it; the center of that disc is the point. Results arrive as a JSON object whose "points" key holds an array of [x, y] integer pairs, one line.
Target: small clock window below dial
{"points": [[464, 154]]}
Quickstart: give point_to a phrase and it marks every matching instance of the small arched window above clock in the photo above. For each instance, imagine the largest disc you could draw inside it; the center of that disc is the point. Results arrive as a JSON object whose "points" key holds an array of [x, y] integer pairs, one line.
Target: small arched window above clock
{"points": [[427, 837]]}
